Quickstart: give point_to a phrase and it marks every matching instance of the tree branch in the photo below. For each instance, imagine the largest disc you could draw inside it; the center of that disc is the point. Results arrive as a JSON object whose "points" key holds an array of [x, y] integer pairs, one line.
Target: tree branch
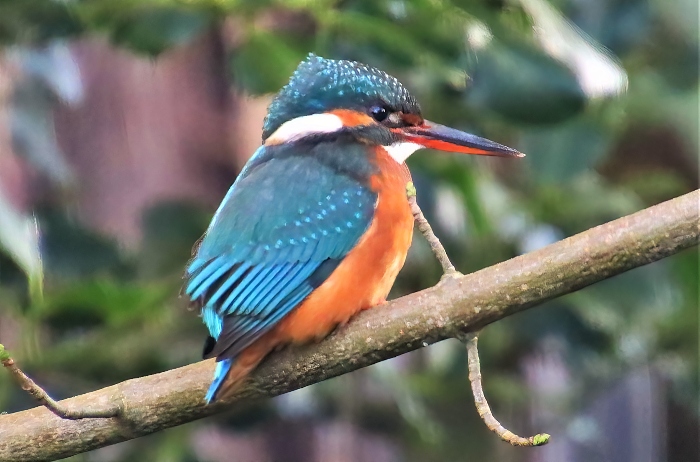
{"points": [[456, 305], [38, 393]]}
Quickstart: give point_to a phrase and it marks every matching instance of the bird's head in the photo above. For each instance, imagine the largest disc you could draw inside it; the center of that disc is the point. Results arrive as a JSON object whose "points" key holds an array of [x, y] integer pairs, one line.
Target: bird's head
{"points": [[326, 97]]}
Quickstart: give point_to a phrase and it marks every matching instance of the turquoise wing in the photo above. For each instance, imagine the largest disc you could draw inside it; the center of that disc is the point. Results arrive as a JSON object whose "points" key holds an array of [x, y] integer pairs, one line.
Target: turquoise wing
{"points": [[282, 229]]}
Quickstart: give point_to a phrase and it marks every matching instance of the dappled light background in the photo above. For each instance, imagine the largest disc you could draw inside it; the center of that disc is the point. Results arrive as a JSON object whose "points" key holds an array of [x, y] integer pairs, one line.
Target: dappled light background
{"points": [[122, 125]]}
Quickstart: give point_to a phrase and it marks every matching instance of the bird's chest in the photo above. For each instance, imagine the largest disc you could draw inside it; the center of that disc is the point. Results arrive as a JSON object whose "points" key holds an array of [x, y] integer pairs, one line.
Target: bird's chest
{"points": [[365, 276], [392, 228]]}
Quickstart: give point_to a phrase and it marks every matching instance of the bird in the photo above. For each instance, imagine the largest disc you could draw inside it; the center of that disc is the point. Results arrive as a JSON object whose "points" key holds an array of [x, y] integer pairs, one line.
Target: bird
{"points": [[317, 225]]}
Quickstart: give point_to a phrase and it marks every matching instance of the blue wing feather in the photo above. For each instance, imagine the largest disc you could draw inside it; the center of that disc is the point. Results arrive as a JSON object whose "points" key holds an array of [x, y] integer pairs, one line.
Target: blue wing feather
{"points": [[228, 283], [283, 227], [272, 287], [247, 284], [251, 332], [276, 272], [205, 269]]}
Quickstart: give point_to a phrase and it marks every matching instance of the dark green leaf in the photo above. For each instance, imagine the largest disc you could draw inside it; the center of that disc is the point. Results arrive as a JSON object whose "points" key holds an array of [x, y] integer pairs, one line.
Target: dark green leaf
{"points": [[264, 63], [154, 30], [523, 85], [557, 154]]}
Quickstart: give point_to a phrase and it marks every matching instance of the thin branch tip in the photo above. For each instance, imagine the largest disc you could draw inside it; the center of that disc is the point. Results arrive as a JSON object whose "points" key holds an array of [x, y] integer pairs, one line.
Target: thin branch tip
{"points": [[482, 406], [410, 189], [39, 394], [4, 354], [540, 439]]}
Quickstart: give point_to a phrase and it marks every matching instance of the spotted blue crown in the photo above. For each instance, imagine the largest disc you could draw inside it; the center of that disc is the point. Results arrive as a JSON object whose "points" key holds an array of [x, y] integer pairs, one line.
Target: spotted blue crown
{"points": [[319, 85]]}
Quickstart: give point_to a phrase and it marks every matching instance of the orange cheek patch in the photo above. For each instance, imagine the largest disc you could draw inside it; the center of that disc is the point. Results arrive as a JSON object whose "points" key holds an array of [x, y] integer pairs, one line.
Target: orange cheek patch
{"points": [[352, 118], [412, 119]]}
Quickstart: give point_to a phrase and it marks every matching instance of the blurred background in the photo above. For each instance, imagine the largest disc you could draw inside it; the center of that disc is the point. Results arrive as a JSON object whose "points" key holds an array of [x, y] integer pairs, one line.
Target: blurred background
{"points": [[123, 123]]}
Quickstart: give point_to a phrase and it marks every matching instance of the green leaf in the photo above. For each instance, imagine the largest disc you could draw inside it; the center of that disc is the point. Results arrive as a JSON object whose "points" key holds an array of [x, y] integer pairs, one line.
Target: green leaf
{"points": [[523, 85], [560, 153], [153, 30], [37, 21], [169, 230], [103, 301], [71, 251], [264, 63], [379, 33]]}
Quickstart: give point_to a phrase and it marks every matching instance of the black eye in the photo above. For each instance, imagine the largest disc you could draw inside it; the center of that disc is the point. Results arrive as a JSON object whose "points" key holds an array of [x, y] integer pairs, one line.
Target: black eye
{"points": [[379, 113]]}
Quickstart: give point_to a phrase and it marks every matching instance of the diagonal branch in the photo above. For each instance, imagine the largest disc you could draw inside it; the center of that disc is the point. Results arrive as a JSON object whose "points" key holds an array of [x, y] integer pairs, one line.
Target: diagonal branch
{"points": [[44, 399], [462, 304]]}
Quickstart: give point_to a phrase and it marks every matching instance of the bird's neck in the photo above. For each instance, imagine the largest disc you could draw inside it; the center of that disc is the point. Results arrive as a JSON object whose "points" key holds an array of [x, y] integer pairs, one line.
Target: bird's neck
{"points": [[368, 164], [390, 175]]}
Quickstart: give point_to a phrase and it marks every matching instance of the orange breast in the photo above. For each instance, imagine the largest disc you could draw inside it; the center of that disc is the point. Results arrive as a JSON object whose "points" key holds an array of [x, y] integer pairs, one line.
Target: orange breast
{"points": [[365, 276]]}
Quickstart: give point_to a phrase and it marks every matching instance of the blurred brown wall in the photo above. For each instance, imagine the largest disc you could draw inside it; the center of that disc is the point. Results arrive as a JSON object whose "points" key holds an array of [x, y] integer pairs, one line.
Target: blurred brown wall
{"points": [[153, 130], [146, 131]]}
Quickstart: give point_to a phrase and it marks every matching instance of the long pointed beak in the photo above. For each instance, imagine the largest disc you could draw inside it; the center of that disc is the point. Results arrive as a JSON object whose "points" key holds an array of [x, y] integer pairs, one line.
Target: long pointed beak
{"points": [[436, 136]]}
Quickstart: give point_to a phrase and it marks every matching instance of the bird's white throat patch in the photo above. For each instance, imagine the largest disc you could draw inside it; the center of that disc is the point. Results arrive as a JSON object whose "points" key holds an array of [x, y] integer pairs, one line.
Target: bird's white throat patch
{"points": [[402, 150], [304, 126]]}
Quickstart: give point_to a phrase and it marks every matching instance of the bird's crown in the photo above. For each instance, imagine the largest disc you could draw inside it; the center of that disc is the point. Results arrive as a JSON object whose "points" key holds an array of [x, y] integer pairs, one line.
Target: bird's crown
{"points": [[319, 85]]}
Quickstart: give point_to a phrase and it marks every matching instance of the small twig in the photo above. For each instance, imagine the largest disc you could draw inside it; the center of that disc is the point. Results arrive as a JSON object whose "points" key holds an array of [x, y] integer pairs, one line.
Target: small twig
{"points": [[482, 406], [424, 227], [40, 395]]}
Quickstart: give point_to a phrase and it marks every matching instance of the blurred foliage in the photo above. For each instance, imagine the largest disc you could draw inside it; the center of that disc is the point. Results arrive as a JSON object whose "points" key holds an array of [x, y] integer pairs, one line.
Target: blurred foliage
{"points": [[109, 314]]}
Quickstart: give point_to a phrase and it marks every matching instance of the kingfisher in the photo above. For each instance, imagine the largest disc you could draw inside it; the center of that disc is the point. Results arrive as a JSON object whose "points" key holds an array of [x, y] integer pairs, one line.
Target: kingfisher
{"points": [[317, 225]]}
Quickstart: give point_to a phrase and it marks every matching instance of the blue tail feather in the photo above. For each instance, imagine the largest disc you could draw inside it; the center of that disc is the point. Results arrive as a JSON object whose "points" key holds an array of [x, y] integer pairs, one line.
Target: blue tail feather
{"points": [[222, 368]]}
